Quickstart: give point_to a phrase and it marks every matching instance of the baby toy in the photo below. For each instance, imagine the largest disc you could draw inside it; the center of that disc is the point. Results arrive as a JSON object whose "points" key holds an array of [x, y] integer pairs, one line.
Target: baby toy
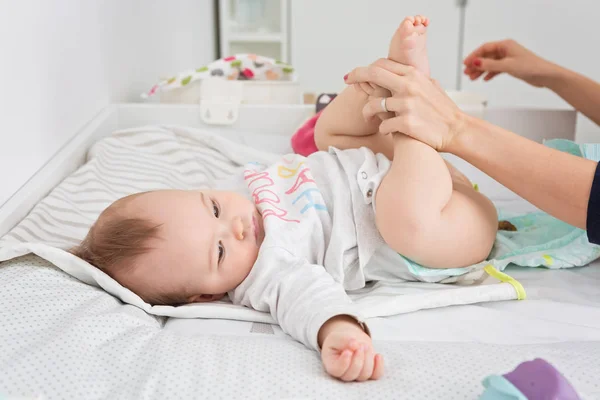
{"points": [[531, 380]]}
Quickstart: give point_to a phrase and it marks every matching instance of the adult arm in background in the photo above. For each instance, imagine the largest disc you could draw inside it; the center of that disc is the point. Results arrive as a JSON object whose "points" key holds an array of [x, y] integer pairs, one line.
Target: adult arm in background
{"points": [[508, 56], [554, 181]]}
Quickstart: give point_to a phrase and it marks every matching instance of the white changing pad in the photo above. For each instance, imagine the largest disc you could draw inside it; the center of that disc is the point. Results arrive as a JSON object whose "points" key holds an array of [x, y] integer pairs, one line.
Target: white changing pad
{"points": [[160, 157], [63, 338]]}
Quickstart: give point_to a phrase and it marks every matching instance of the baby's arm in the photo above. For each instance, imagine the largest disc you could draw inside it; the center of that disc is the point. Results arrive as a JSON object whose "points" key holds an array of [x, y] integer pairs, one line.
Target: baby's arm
{"points": [[313, 308]]}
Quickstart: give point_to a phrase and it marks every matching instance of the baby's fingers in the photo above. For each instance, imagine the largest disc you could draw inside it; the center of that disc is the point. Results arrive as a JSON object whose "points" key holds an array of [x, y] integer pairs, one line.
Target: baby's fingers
{"points": [[368, 365], [378, 367], [337, 365], [356, 367]]}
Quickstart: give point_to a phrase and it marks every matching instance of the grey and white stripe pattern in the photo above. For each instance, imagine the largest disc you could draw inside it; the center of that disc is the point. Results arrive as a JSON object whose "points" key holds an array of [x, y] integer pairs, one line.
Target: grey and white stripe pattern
{"points": [[130, 161]]}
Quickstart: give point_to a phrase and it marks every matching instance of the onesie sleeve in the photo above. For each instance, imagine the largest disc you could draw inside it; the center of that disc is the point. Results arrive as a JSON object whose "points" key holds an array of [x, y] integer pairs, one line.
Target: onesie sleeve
{"points": [[300, 296], [593, 211]]}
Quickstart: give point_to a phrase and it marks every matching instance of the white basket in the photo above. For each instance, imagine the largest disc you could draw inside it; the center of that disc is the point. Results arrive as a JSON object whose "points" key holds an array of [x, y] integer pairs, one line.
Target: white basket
{"points": [[254, 92]]}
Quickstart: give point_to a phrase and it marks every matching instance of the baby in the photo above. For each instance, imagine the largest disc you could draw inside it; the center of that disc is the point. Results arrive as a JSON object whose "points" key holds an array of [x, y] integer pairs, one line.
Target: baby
{"points": [[301, 232]]}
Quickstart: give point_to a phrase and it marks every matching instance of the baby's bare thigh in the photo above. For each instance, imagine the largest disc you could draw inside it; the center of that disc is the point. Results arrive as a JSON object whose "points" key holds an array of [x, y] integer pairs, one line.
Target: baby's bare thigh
{"points": [[462, 235]]}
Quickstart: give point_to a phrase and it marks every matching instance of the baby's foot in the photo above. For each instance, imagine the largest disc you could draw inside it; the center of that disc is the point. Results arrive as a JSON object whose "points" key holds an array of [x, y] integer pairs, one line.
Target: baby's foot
{"points": [[409, 43]]}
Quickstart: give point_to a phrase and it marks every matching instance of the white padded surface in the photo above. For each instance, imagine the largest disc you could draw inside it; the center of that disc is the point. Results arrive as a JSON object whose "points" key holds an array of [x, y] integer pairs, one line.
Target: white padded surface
{"points": [[61, 338], [160, 157]]}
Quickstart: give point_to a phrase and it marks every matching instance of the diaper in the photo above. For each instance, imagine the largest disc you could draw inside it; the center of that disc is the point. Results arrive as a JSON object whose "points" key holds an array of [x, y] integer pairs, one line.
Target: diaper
{"points": [[539, 241]]}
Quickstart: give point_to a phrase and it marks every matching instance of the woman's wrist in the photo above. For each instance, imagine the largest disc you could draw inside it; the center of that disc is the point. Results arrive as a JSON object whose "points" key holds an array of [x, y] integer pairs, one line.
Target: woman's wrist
{"points": [[460, 129], [553, 76]]}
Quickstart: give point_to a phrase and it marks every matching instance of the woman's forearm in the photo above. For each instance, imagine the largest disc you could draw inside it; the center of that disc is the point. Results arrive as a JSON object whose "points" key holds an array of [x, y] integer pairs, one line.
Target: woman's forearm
{"points": [[556, 182], [577, 90]]}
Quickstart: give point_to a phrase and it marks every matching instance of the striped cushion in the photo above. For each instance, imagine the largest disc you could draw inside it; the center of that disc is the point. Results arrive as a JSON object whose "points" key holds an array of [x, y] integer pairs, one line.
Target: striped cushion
{"points": [[130, 161]]}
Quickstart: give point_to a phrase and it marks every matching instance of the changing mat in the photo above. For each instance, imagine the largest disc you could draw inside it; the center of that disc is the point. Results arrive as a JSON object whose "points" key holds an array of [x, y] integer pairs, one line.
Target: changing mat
{"points": [[161, 157]]}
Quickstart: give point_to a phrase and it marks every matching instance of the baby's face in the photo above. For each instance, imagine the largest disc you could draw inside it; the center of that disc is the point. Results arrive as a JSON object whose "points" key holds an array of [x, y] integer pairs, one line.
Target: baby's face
{"points": [[209, 241]]}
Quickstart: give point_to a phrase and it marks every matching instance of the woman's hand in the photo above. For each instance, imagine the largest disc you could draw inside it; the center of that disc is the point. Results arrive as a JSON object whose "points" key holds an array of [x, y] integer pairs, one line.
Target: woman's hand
{"points": [[494, 58], [422, 109], [374, 91]]}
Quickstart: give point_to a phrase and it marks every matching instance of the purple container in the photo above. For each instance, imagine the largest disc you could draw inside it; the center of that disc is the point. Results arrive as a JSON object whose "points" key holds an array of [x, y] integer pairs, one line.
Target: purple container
{"points": [[539, 380]]}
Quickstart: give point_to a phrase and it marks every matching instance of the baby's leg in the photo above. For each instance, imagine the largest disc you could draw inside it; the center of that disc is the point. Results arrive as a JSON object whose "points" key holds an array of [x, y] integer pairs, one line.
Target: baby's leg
{"points": [[424, 216], [409, 43], [426, 210], [342, 125]]}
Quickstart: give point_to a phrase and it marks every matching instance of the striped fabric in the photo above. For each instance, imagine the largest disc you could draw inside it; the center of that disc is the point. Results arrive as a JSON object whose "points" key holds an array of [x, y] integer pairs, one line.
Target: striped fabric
{"points": [[130, 161]]}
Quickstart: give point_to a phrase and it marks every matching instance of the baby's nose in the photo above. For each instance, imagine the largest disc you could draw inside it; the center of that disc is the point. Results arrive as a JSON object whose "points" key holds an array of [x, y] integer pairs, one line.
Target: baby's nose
{"points": [[238, 228]]}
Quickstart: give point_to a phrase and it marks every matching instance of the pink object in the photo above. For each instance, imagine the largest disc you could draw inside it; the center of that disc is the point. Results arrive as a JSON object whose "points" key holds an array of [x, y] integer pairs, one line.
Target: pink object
{"points": [[248, 73], [231, 58], [303, 141]]}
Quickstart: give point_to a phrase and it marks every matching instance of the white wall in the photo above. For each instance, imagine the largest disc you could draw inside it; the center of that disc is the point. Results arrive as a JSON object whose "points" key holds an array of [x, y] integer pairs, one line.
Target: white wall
{"points": [[62, 61], [330, 37]]}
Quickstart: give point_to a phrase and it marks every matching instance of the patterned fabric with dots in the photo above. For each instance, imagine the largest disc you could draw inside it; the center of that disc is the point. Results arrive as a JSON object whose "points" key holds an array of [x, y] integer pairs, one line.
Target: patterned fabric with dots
{"points": [[61, 339]]}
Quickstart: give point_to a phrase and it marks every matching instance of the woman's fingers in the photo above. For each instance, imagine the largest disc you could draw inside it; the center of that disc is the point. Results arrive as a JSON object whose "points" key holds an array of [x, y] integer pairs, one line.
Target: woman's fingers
{"points": [[394, 67], [490, 76], [396, 124], [366, 87], [485, 50], [389, 77], [473, 75], [392, 104]]}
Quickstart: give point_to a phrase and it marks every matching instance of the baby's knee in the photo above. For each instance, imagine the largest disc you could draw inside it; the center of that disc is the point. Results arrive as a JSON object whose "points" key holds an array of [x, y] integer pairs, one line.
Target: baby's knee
{"points": [[321, 135]]}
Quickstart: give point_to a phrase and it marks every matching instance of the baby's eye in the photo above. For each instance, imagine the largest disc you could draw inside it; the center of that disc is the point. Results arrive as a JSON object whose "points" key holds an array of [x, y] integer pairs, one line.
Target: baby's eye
{"points": [[216, 210], [221, 251]]}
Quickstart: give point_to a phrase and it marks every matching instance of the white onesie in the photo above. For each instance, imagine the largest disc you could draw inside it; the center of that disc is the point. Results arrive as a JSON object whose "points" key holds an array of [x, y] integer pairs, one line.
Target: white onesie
{"points": [[314, 249]]}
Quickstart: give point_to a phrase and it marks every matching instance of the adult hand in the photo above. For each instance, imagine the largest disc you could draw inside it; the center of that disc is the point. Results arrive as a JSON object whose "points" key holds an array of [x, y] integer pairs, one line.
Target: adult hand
{"points": [[374, 91], [422, 109], [494, 58]]}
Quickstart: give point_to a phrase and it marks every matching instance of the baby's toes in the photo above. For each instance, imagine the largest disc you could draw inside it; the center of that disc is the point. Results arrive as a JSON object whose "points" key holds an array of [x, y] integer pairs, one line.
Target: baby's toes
{"points": [[405, 29]]}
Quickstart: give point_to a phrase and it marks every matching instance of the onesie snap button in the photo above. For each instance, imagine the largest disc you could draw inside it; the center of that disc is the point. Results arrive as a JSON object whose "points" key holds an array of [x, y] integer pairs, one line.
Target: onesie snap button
{"points": [[369, 193], [363, 174]]}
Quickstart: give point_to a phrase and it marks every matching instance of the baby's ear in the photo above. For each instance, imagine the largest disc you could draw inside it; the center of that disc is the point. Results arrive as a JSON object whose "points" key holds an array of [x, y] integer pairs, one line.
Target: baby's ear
{"points": [[205, 298]]}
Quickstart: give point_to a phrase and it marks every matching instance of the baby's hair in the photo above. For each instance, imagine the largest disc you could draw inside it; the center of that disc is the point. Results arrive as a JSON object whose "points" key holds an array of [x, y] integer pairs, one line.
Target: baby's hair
{"points": [[114, 242]]}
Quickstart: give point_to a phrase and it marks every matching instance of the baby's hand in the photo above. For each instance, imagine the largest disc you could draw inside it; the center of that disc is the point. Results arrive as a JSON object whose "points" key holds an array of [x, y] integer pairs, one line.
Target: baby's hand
{"points": [[347, 351]]}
